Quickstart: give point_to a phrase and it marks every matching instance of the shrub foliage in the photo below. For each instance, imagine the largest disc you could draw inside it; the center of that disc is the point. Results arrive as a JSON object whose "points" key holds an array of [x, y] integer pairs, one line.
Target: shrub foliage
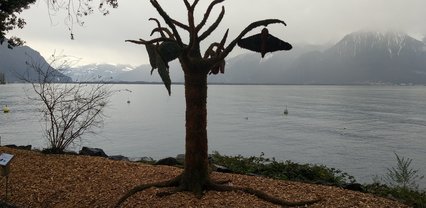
{"points": [[259, 165]]}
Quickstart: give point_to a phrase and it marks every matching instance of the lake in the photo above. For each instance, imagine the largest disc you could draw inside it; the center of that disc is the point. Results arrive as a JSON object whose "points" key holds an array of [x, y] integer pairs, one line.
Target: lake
{"points": [[353, 128]]}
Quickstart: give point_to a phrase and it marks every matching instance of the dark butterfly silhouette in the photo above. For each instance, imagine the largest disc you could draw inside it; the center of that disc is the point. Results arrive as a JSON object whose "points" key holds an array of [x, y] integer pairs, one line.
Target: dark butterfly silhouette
{"points": [[264, 43]]}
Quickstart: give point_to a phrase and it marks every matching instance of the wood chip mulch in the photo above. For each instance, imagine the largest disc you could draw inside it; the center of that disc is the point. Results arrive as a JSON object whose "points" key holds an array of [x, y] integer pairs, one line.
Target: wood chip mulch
{"points": [[38, 180]]}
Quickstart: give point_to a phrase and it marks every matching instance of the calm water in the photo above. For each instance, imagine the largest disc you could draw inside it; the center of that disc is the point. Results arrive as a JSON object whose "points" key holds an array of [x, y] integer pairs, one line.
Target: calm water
{"points": [[354, 128]]}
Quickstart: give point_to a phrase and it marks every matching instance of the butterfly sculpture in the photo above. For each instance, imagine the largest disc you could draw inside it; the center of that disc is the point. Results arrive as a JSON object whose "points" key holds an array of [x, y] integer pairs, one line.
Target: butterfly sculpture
{"points": [[264, 43]]}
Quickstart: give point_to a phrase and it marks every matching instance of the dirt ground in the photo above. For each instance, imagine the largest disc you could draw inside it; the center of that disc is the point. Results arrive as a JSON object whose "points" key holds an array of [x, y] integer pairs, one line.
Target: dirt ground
{"points": [[38, 180]]}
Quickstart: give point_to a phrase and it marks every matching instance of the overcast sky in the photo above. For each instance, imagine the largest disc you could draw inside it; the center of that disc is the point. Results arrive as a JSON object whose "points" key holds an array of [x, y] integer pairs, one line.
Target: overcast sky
{"points": [[101, 39]]}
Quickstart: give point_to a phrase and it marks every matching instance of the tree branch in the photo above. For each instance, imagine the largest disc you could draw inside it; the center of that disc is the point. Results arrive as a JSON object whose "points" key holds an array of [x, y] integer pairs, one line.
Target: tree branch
{"points": [[219, 47], [181, 25], [158, 26], [194, 4], [177, 23], [222, 43], [168, 21], [213, 26], [210, 52], [191, 19], [249, 28], [191, 23], [207, 14], [187, 4], [156, 40], [161, 30]]}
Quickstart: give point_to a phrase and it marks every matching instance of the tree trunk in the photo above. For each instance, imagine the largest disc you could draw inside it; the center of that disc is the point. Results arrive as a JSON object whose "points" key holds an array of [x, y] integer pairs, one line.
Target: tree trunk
{"points": [[196, 174]]}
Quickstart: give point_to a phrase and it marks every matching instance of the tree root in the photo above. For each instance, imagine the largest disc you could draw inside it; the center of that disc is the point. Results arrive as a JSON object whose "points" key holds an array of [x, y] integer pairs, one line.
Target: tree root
{"points": [[171, 192], [261, 195], [170, 183], [176, 182]]}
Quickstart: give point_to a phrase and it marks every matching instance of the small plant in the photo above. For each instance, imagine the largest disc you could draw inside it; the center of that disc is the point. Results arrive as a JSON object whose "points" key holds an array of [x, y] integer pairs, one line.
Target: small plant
{"points": [[403, 175], [399, 183]]}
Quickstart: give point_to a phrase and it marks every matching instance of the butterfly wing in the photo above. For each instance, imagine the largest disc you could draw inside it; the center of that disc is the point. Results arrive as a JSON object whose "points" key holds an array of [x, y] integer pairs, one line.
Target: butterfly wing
{"points": [[264, 45], [275, 44], [252, 43]]}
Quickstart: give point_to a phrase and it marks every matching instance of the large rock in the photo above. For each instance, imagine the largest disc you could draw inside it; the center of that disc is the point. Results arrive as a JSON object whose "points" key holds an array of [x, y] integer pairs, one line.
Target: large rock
{"points": [[222, 169], [93, 152], [118, 157], [170, 161], [353, 187], [180, 158], [22, 147], [142, 159]]}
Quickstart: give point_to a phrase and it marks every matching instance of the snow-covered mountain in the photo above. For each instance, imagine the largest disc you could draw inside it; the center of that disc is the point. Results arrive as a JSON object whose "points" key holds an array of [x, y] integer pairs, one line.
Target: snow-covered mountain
{"points": [[121, 73], [358, 58], [392, 44], [97, 72], [363, 58]]}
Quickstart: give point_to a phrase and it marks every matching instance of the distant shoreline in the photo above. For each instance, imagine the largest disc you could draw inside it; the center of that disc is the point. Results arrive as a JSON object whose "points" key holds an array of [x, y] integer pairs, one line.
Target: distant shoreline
{"points": [[243, 84]]}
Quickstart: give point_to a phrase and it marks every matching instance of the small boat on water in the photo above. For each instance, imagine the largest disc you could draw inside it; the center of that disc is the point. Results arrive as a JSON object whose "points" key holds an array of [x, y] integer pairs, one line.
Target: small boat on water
{"points": [[286, 111], [6, 109]]}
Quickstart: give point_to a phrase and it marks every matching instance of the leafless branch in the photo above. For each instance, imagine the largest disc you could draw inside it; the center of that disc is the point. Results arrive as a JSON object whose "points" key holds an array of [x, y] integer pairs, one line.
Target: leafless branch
{"points": [[207, 14], [69, 110], [163, 30], [158, 26], [187, 4], [194, 4], [168, 21], [222, 42], [181, 25], [156, 40], [213, 26]]}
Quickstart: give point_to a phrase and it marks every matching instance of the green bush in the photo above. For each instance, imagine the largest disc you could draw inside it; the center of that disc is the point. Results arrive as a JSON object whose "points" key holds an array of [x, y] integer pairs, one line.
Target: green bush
{"points": [[259, 165]]}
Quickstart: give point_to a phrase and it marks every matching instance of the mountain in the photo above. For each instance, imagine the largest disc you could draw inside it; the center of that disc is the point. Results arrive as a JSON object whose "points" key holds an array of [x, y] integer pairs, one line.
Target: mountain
{"points": [[143, 73], [365, 58], [359, 58], [13, 64], [251, 68], [95, 72], [121, 73], [362, 57]]}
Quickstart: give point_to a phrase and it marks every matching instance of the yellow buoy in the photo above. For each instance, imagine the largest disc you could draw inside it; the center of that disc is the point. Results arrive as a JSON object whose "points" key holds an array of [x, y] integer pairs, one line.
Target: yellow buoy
{"points": [[6, 109]]}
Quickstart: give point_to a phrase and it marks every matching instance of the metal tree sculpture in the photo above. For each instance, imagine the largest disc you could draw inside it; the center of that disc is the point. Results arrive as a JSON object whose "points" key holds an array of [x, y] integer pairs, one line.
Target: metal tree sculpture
{"points": [[196, 67]]}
